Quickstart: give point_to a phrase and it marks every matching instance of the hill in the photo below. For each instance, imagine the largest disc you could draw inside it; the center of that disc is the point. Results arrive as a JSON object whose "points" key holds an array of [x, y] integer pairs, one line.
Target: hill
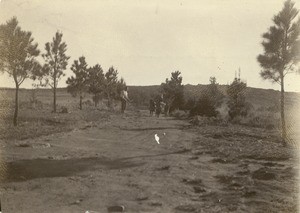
{"points": [[256, 96], [142, 94]]}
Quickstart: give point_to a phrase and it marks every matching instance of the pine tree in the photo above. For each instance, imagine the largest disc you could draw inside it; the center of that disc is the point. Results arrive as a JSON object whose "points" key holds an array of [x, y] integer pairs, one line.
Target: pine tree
{"points": [[96, 82], [56, 62], [110, 85], [173, 92], [18, 56], [281, 52], [78, 85]]}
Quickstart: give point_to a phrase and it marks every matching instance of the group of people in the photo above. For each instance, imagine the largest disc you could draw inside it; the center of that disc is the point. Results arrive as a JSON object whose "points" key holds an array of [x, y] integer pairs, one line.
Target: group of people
{"points": [[156, 107]]}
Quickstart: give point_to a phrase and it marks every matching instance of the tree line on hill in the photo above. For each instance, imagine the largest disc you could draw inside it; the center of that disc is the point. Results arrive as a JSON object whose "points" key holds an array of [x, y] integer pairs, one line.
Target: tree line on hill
{"points": [[19, 59]]}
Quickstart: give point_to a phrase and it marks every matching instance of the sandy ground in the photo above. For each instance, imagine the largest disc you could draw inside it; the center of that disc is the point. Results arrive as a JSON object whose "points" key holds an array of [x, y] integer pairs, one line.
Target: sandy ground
{"points": [[210, 168]]}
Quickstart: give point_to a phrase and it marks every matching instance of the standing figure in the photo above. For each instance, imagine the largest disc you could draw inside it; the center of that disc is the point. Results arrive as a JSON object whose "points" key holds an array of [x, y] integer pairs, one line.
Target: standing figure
{"points": [[157, 108], [163, 107], [124, 99], [151, 107]]}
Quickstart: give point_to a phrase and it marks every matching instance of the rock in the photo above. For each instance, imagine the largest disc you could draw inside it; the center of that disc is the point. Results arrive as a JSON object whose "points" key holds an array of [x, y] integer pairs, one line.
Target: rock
{"points": [[77, 202], [142, 197], [192, 181], [23, 145]]}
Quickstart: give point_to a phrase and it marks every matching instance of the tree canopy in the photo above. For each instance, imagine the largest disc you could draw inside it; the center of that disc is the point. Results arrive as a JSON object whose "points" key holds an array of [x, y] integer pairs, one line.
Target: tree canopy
{"points": [[281, 45], [173, 91], [95, 82], [78, 85]]}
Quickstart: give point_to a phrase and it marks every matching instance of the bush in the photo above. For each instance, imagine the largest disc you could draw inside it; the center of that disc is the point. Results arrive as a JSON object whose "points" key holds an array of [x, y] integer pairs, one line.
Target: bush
{"points": [[203, 120], [237, 102], [179, 114], [190, 104], [258, 119], [87, 103], [238, 109], [204, 107]]}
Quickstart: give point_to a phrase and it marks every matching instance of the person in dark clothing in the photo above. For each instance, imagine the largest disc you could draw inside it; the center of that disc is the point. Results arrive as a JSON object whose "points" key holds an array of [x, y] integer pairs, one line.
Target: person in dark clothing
{"points": [[151, 107], [157, 108]]}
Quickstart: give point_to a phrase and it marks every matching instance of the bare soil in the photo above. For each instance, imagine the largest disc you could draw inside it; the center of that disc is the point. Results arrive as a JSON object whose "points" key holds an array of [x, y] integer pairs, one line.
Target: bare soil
{"points": [[115, 161]]}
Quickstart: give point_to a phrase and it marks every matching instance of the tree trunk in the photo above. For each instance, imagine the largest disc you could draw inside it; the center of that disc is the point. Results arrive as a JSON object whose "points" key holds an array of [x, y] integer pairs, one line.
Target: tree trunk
{"points": [[34, 99], [80, 102], [283, 127], [54, 98], [16, 106], [108, 101]]}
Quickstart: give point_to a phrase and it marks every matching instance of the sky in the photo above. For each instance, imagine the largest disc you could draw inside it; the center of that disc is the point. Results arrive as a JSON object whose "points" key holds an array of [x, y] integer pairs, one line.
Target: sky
{"points": [[147, 40]]}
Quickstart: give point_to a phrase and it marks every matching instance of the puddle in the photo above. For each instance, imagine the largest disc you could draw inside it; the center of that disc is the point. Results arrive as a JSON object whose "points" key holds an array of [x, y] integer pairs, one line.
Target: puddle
{"points": [[24, 170]]}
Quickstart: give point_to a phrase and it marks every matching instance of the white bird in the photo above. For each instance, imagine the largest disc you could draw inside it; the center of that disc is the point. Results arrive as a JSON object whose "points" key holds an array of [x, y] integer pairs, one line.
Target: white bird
{"points": [[156, 138]]}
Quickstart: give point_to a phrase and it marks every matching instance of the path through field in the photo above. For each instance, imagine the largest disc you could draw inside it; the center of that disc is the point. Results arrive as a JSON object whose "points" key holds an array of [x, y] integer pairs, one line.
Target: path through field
{"points": [[211, 168]]}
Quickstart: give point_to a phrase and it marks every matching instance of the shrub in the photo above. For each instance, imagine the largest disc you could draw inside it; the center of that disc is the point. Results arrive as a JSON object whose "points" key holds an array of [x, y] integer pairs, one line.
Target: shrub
{"points": [[203, 120], [179, 114], [258, 119], [87, 103], [190, 104], [237, 101], [204, 107]]}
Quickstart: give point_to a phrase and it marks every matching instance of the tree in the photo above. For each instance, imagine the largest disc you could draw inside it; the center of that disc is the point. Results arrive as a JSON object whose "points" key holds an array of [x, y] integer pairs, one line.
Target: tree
{"points": [[214, 93], [96, 82], [173, 92], [18, 56], [56, 62], [110, 85], [204, 107], [281, 52], [78, 85], [237, 102], [121, 85]]}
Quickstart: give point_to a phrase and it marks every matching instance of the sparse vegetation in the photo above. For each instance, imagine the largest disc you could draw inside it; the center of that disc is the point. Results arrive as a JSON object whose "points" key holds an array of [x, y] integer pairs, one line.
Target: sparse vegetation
{"points": [[219, 151]]}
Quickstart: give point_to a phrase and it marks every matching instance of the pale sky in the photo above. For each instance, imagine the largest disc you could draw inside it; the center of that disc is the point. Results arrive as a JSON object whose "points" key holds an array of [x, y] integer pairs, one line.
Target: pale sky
{"points": [[147, 40]]}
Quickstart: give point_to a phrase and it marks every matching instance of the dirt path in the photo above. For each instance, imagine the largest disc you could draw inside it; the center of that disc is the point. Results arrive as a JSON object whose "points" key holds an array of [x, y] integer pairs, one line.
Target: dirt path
{"points": [[118, 162]]}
